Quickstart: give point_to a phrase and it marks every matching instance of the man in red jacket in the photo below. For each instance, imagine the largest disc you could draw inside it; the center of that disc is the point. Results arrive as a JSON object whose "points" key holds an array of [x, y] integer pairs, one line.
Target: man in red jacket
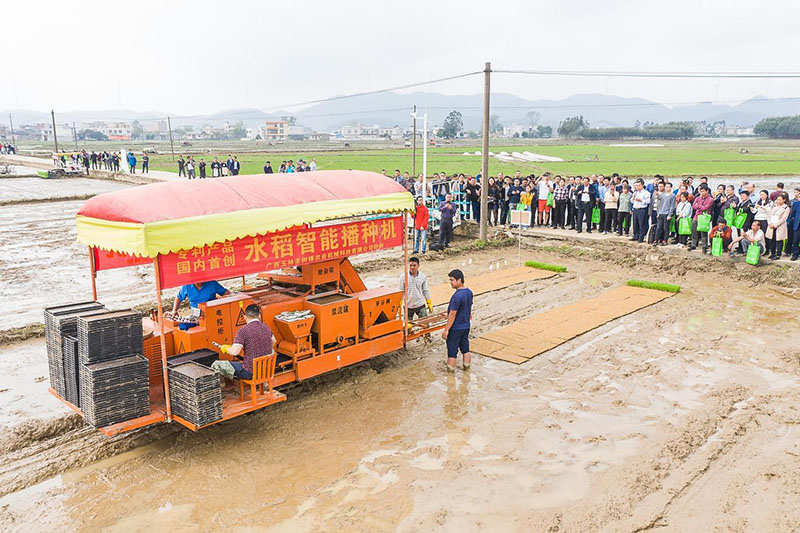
{"points": [[420, 226]]}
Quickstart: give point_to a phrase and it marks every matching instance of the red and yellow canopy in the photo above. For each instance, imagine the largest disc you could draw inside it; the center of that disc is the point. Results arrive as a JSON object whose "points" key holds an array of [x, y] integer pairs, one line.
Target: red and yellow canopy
{"points": [[168, 217]]}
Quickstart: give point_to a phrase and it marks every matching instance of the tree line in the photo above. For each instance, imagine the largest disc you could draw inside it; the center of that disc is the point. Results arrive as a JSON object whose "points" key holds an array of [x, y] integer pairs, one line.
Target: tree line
{"points": [[779, 127], [578, 127]]}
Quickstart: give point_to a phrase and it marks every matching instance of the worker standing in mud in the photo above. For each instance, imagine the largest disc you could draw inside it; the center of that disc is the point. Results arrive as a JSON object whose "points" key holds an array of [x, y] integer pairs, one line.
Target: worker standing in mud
{"points": [[419, 295], [459, 316]]}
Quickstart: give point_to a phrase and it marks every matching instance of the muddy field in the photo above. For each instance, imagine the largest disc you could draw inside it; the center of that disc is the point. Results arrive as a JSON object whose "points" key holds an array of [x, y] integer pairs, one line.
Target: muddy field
{"points": [[682, 416]]}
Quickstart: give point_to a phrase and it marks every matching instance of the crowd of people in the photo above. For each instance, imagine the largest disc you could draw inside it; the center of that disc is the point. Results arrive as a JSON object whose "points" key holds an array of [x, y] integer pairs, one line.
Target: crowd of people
{"points": [[683, 212], [191, 169], [7, 148]]}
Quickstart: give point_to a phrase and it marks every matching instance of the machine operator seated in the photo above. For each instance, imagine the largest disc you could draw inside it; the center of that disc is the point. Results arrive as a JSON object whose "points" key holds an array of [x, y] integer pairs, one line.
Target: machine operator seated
{"points": [[198, 293], [254, 338]]}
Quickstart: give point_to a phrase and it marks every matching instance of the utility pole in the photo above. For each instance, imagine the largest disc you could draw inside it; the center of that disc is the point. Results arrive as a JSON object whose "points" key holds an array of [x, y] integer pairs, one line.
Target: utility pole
{"points": [[55, 135], [171, 146], [75, 135], [414, 142], [482, 233], [11, 122]]}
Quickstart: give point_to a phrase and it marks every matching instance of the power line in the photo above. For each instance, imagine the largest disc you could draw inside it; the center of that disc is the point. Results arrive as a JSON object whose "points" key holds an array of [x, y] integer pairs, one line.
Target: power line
{"points": [[610, 74]]}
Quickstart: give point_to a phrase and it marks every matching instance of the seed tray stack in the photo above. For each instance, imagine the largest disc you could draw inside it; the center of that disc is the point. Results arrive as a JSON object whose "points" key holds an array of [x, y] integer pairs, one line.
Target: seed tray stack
{"points": [[114, 391], [195, 393], [203, 356], [108, 336], [61, 321], [71, 369]]}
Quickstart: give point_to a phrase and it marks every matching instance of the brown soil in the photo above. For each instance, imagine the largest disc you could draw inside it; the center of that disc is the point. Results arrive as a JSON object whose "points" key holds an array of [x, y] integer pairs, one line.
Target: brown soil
{"points": [[682, 416]]}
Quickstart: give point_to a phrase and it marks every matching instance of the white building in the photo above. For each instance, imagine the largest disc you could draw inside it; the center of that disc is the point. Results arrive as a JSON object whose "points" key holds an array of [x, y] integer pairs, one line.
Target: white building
{"points": [[509, 131], [63, 132], [360, 131], [255, 134]]}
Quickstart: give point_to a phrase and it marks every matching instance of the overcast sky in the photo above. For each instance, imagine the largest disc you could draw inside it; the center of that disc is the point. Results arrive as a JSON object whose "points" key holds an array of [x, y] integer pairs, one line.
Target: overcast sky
{"points": [[197, 57]]}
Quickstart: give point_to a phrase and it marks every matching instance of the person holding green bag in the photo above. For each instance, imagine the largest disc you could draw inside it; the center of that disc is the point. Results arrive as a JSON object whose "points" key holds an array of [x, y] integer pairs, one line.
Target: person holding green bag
{"points": [[545, 189], [728, 206], [753, 243], [721, 238], [683, 215], [702, 210]]}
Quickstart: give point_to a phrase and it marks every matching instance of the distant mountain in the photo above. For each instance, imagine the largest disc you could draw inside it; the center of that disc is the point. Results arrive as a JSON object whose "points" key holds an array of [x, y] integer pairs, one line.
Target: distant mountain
{"points": [[389, 109]]}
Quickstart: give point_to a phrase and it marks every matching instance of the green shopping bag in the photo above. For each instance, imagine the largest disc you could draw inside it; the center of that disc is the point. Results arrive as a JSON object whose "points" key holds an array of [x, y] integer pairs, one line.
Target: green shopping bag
{"points": [[672, 225], [596, 215], [716, 246], [753, 254], [551, 199], [685, 226], [728, 215], [738, 220], [625, 224], [703, 222], [521, 207]]}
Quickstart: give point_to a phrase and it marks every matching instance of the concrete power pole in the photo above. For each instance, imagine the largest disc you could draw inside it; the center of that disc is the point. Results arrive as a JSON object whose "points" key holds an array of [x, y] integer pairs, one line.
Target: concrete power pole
{"points": [[414, 143], [482, 234], [171, 146], [55, 135], [11, 122], [75, 136]]}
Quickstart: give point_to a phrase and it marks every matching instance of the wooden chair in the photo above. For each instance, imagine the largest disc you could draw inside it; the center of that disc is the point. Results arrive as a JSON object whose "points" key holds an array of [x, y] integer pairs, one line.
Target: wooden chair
{"points": [[263, 371]]}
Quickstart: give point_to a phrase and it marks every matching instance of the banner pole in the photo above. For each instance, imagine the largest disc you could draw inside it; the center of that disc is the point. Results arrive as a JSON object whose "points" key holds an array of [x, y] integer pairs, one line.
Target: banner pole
{"points": [[163, 340]]}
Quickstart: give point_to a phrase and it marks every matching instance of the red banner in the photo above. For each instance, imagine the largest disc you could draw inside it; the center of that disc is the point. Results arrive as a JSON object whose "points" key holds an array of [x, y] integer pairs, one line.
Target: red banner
{"points": [[106, 260], [299, 246]]}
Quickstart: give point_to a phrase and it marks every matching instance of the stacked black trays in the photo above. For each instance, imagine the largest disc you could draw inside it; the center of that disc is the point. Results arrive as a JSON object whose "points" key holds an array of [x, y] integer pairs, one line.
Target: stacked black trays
{"points": [[72, 370], [61, 321], [195, 393], [109, 336], [113, 382], [115, 390]]}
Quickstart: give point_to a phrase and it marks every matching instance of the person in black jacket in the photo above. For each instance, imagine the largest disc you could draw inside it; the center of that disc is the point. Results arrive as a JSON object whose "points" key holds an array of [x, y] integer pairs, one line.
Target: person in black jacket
{"points": [[586, 198], [268, 168]]}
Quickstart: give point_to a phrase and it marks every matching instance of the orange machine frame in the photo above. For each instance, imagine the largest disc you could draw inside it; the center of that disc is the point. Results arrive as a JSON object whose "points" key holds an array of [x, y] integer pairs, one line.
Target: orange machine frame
{"points": [[350, 324]]}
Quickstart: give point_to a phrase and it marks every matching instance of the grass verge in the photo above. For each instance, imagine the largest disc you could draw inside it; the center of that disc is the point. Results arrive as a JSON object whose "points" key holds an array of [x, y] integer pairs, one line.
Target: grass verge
{"points": [[668, 287]]}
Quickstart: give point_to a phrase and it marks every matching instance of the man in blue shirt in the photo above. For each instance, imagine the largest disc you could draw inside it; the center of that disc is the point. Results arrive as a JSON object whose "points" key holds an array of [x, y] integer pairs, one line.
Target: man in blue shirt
{"points": [[459, 315], [198, 293]]}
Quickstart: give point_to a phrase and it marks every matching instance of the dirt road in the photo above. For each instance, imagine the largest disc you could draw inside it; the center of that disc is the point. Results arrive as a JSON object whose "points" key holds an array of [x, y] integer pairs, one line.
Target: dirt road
{"points": [[682, 416]]}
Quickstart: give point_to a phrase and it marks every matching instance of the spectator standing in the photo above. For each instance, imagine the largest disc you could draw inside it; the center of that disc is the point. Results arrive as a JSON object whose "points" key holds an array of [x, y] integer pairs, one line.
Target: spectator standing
{"points": [[473, 192], [624, 210], [664, 214], [446, 213], [236, 166], [145, 163], [420, 226], [702, 204], [202, 168], [313, 165], [132, 162], [561, 199], [640, 203], [794, 225], [610, 202], [491, 201], [267, 168], [544, 188], [683, 210], [777, 192], [181, 166], [189, 166], [587, 197], [777, 230]]}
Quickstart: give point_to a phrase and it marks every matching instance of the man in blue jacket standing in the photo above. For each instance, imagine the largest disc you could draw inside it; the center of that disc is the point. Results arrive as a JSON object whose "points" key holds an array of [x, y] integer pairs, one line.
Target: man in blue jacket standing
{"points": [[132, 162], [794, 225]]}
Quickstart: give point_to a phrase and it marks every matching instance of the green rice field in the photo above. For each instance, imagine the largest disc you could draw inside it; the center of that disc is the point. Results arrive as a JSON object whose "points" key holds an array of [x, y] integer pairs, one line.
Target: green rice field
{"points": [[697, 158]]}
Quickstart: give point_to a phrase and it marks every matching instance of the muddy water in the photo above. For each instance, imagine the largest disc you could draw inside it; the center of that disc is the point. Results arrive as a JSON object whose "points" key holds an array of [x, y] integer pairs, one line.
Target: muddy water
{"points": [[21, 189], [678, 415]]}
